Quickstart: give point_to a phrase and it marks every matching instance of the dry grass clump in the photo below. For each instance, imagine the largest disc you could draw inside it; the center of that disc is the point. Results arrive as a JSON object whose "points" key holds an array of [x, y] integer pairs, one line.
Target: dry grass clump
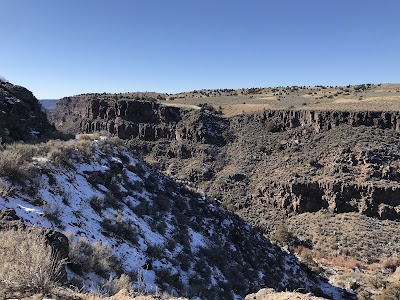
{"points": [[92, 257], [391, 263], [62, 153], [115, 284], [27, 264], [15, 161]]}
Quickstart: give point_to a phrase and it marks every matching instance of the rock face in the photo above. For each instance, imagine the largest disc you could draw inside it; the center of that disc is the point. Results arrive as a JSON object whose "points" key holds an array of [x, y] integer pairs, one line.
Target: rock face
{"points": [[135, 119], [21, 117], [374, 201], [324, 120]]}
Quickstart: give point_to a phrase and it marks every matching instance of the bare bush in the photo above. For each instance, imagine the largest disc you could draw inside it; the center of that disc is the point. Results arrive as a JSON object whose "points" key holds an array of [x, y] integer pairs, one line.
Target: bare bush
{"points": [[27, 264], [15, 161], [391, 263], [6, 189], [114, 284], [88, 257], [391, 292]]}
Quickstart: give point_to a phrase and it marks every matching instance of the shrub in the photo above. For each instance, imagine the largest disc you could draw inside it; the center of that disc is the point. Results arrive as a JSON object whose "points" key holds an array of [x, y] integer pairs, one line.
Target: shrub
{"points": [[211, 109], [15, 162], [376, 281], [92, 257], [271, 127], [279, 146], [53, 212], [261, 148], [391, 263], [97, 203], [125, 230], [114, 284], [282, 236], [307, 259], [228, 136], [391, 292], [27, 264], [164, 276], [6, 189], [60, 155]]}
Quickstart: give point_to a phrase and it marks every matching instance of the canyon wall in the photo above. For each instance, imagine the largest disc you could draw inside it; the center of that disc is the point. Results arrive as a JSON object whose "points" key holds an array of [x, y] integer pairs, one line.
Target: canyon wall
{"points": [[371, 187], [321, 120], [131, 119]]}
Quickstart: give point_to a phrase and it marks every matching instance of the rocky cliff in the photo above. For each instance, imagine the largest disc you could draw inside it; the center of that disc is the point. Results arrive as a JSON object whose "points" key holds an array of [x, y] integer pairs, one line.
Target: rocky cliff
{"points": [[131, 119], [21, 117], [323, 120]]}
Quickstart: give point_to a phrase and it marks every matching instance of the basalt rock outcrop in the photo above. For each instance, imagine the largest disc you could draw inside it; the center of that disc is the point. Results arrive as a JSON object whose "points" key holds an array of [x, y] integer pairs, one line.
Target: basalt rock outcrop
{"points": [[21, 116], [135, 119], [376, 201], [322, 120]]}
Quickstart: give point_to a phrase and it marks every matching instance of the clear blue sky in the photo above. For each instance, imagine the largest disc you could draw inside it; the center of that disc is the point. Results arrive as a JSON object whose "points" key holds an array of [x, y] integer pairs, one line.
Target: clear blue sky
{"points": [[62, 48]]}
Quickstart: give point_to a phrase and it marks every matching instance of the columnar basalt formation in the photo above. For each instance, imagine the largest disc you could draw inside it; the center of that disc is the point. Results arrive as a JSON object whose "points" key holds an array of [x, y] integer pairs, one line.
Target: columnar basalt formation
{"points": [[133, 119], [323, 120], [382, 202]]}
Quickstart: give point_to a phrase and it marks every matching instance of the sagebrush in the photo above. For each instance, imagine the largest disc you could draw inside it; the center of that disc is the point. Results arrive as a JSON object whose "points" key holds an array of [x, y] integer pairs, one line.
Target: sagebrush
{"points": [[27, 263]]}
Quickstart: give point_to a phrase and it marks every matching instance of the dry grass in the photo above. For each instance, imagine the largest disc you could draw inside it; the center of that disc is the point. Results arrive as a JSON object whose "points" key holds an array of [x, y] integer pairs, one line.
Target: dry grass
{"points": [[18, 161], [15, 161], [27, 264], [123, 294], [270, 294], [92, 257], [233, 102], [391, 292]]}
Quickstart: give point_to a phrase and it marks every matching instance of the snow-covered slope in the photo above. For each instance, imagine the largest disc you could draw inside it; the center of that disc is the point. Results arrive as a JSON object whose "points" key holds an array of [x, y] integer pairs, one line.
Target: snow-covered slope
{"points": [[163, 235]]}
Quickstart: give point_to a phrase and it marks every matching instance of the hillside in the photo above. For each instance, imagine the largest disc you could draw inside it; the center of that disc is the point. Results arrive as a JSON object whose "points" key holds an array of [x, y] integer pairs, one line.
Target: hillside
{"points": [[141, 223], [21, 115]]}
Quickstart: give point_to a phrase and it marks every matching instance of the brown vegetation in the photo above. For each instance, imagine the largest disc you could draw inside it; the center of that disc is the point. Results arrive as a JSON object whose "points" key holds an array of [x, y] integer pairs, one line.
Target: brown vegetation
{"points": [[27, 264]]}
